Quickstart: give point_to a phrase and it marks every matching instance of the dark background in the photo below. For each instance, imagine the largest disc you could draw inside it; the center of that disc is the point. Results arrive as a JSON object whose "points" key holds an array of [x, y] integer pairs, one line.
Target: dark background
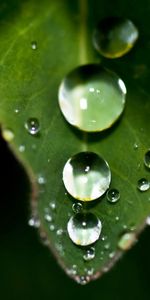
{"points": [[29, 271]]}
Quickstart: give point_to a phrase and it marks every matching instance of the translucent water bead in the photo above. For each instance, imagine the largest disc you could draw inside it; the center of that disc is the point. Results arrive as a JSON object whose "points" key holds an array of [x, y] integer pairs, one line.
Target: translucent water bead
{"points": [[114, 37], [84, 229], [92, 98], [86, 176]]}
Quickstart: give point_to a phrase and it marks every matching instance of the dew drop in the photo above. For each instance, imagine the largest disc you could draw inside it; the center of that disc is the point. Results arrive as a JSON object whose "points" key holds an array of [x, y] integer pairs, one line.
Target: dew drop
{"points": [[59, 232], [135, 146], [86, 186], [32, 126], [113, 195], [7, 134], [41, 180], [52, 205], [89, 272], [16, 110], [107, 246], [34, 222], [92, 111], [84, 229], [77, 207], [114, 37], [22, 148], [104, 238], [52, 227], [34, 45], [111, 254], [90, 254], [127, 240], [147, 159], [143, 184], [117, 218], [83, 280], [48, 217]]}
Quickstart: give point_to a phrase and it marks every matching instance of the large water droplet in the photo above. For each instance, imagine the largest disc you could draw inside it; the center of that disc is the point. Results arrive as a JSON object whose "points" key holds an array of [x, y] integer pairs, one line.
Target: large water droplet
{"points": [[127, 240], [83, 185], [84, 229], [7, 134], [32, 125], [143, 184], [113, 195], [90, 254], [92, 98], [147, 159], [114, 37], [77, 207]]}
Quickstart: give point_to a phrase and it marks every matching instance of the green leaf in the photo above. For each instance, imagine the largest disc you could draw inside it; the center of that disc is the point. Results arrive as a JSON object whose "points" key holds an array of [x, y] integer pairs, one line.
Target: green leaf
{"points": [[29, 89]]}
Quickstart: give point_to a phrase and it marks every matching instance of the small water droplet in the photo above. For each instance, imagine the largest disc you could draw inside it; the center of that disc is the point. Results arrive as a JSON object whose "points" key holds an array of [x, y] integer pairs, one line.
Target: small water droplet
{"points": [[114, 37], [41, 180], [117, 218], [107, 246], [104, 238], [77, 207], [83, 280], [127, 240], [113, 195], [52, 205], [90, 254], [52, 227], [143, 184], [34, 45], [111, 254], [135, 146], [48, 217], [147, 159], [32, 126], [89, 272], [84, 229], [86, 186], [59, 232], [7, 134], [22, 148], [34, 222], [16, 110], [81, 103]]}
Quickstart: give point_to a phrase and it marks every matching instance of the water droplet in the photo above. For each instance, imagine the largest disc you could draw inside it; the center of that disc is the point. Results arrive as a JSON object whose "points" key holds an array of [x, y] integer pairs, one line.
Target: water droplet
{"points": [[16, 110], [90, 254], [86, 186], [104, 238], [117, 218], [34, 222], [84, 229], [48, 217], [127, 240], [147, 159], [34, 45], [59, 231], [7, 134], [41, 180], [135, 146], [89, 272], [107, 246], [22, 148], [32, 126], [143, 184], [111, 254], [82, 280], [113, 195], [148, 220], [77, 207], [52, 227], [52, 205], [114, 37], [92, 111]]}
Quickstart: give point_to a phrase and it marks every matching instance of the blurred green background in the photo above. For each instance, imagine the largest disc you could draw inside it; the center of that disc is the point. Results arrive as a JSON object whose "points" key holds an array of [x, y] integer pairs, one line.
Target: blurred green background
{"points": [[29, 271]]}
